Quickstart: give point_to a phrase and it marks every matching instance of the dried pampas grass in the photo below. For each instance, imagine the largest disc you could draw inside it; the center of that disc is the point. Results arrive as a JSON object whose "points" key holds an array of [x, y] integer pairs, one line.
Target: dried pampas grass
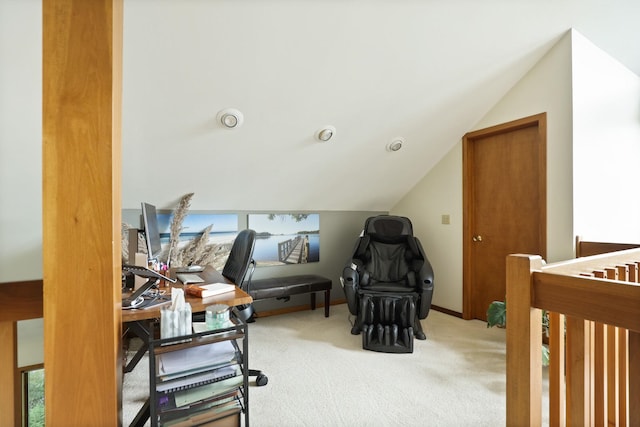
{"points": [[179, 215], [197, 251], [192, 250]]}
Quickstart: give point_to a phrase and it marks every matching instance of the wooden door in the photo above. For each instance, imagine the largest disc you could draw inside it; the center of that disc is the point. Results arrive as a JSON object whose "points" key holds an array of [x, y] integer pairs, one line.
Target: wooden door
{"points": [[504, 192]]}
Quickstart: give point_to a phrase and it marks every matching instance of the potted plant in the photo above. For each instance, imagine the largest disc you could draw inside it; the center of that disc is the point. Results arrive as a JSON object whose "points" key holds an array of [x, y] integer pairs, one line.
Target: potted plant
{"points": [[497, 316]]}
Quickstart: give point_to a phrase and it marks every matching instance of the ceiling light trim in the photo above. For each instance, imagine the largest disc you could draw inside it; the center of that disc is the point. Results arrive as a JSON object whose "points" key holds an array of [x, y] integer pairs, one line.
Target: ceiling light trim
{"points": [[230, 118], [395, 144], [326, 133]]}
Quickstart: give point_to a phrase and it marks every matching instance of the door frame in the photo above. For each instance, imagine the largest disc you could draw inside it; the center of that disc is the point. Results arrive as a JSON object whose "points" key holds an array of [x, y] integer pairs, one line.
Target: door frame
{"points": [[537, 120]]}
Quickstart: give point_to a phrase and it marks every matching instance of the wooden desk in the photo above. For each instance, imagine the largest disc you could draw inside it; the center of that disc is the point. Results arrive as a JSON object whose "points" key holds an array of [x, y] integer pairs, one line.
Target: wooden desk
{"points": [[210, 275]]}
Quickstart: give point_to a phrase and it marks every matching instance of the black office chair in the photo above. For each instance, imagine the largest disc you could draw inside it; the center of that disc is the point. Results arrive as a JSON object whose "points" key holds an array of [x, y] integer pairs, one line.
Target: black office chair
{"points": [[388, 283], [239, 269], [240, 265]]}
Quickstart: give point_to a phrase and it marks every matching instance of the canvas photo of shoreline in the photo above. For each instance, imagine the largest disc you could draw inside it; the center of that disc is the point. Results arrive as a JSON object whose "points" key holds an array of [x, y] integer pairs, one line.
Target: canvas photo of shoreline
{"points": [[283, 239]]}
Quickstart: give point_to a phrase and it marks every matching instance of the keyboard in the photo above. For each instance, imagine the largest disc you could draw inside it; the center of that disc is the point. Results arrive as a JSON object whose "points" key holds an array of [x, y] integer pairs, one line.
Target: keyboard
{"points": [[187, 278], [190, 269]]}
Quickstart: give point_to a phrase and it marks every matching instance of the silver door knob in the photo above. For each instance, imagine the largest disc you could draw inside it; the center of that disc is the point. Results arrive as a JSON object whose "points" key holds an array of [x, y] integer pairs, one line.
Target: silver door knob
{"points": [[477, 238]]}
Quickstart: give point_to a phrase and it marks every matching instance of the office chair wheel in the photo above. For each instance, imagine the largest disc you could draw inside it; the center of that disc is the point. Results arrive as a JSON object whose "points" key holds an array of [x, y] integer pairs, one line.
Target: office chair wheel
{"points": [[261, 380]]}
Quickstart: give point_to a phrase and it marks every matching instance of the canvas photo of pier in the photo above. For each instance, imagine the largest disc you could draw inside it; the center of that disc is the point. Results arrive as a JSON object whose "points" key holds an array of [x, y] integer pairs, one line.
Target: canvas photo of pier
{"points": [[283, 239]]}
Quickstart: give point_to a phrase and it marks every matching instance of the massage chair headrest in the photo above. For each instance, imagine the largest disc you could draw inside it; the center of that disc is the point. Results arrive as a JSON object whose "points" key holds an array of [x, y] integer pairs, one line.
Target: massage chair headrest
{"points": [[388, 228]]}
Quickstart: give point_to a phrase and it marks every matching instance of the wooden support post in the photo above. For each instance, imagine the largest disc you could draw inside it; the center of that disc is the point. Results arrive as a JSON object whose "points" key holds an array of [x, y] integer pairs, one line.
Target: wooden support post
{"points": [[524, 344], [82, 83], [18, 301], [8, 372]]}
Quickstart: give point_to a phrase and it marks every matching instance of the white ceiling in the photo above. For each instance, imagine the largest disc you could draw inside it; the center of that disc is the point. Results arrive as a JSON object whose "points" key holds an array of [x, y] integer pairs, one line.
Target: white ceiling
{"points": [[375, 69]]}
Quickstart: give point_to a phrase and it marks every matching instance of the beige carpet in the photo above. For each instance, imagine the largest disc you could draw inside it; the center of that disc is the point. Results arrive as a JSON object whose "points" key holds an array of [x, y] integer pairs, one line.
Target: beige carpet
{"points": [[319, 375]]}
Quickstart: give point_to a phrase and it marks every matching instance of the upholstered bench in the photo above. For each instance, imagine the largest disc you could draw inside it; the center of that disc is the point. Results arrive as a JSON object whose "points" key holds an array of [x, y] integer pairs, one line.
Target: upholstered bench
{"points": [[284, 287]]}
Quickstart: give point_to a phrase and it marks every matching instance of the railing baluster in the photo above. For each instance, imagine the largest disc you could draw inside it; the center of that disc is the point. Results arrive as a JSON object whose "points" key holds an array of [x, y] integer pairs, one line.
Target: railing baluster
{"points": [[600, 374], [634, 372], [578, 361], [557, 362]]}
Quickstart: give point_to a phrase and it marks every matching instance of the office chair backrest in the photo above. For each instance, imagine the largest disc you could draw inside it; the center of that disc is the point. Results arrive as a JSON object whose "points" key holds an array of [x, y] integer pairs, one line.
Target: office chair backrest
{"points": [[240, 257]]}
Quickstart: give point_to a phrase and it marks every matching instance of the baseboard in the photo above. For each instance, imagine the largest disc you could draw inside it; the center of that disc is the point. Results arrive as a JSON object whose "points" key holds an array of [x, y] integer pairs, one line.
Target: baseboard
{"points": [[446, 311]]}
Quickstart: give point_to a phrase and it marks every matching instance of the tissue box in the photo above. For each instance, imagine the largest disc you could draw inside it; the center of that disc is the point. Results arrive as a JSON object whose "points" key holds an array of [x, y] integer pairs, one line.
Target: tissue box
{"points": [[175, 323], [175, 320]]}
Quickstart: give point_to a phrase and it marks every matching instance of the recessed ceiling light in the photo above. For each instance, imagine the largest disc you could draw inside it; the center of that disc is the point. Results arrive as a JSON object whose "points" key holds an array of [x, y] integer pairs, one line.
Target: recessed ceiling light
{"points": [[230, 118], [395, 144], [326, 133]]}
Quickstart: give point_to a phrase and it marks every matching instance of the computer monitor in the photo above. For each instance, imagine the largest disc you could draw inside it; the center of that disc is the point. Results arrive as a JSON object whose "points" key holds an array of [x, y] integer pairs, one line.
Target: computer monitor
{"points": [[151, 231]]}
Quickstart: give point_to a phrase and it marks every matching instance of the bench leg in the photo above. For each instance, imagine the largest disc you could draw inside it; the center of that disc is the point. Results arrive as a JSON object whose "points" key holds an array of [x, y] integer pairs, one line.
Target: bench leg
{"points": [[327, 302]]}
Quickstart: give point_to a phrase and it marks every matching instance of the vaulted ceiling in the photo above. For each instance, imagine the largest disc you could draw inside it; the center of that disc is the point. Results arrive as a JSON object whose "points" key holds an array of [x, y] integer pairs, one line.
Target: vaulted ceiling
{"points": [[423, 70]]}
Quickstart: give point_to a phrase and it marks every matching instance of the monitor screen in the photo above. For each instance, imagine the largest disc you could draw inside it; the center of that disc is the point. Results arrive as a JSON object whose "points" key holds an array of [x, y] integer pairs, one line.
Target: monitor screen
{"points": [[151, 231]]}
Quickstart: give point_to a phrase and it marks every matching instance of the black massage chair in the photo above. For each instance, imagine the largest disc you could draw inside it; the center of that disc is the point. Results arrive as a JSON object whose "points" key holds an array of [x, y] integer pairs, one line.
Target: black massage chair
{"points": [[388, 284]]}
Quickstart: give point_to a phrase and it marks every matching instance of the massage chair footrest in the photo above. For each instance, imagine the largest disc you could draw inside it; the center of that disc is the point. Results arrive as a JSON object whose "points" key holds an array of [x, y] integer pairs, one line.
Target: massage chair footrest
{"points": [[387, 322], [387, 338]]}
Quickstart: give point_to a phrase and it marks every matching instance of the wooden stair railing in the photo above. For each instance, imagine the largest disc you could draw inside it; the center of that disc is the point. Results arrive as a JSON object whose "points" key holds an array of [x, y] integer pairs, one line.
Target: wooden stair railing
{"points": [[594, 344]]}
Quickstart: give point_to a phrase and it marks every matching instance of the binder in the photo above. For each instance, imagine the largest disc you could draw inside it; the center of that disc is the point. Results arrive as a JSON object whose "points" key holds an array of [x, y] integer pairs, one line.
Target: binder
{"points": [[198, 379], [186, 398], [194, 358], [205, 416], [215, 401]]}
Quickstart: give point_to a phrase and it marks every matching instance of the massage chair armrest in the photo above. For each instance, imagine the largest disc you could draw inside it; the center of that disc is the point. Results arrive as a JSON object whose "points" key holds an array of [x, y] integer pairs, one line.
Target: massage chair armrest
{"points": [[425, 285], [350, 282], [424, 303], [424, 278]]}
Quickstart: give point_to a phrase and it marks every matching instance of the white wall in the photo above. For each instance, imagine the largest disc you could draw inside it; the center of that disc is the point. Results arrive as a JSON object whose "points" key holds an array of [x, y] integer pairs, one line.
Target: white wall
{"points": [[21, 157], [545, 88], [606, 148], [20, 141], [440, 193]]}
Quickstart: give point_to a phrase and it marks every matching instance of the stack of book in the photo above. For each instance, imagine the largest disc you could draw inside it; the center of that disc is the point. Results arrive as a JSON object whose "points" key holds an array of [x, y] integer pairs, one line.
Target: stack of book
{"points": [[198, 384], [204, 291]]}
